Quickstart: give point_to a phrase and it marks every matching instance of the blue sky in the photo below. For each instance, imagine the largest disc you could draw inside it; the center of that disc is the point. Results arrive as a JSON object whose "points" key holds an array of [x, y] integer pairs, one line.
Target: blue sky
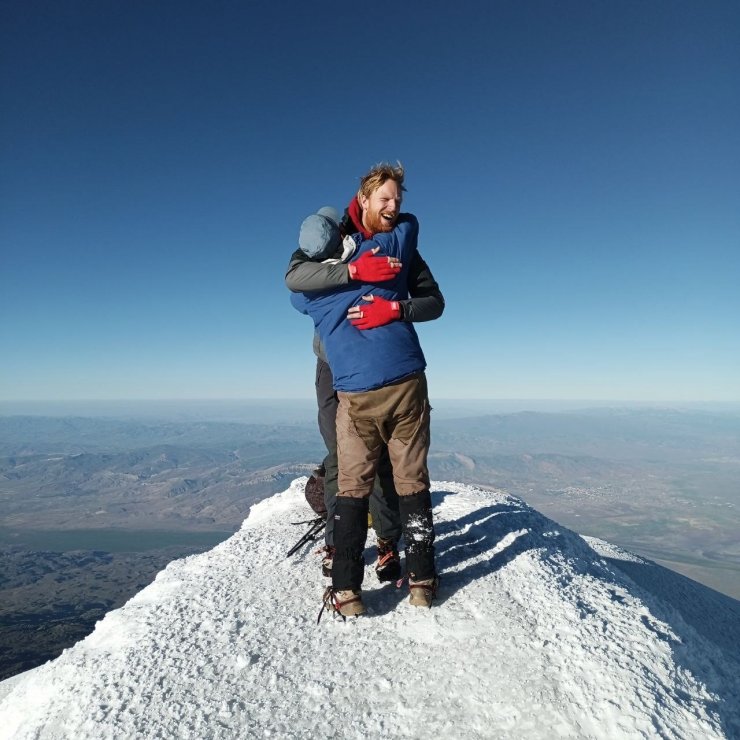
{"points": [[575, 167]]}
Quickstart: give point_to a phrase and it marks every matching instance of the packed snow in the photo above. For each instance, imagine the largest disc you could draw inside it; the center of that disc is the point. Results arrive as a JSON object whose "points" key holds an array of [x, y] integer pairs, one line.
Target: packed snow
{"points": [[536, 633]]}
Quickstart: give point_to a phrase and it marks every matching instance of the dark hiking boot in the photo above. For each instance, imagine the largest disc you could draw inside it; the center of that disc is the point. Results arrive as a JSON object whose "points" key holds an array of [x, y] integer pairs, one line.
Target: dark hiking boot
{"points": [[388, 567], [423, 592]]}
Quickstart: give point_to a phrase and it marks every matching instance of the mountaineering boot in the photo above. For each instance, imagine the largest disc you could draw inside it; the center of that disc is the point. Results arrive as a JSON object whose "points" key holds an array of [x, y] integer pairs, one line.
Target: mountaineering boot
{"points": [[388, 567], [418, 534], [350, 532], [423, 592], [345, 603]]}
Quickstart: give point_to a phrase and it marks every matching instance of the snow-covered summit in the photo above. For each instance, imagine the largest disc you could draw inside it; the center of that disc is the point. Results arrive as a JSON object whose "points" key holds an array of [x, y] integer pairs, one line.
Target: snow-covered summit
{"points": [[537, 633]]}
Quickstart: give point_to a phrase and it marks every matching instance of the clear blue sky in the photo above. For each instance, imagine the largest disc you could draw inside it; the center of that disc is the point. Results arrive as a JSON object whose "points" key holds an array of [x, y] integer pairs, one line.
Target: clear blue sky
{"points": [[575, 167]]}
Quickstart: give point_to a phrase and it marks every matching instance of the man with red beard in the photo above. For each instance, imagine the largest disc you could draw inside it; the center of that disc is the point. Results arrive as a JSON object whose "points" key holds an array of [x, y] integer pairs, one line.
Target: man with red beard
{"points": [[375, 211]]}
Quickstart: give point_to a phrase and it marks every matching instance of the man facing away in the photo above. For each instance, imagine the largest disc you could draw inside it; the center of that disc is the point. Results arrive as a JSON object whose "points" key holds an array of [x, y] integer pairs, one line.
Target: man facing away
{"points": [[379, 377]]}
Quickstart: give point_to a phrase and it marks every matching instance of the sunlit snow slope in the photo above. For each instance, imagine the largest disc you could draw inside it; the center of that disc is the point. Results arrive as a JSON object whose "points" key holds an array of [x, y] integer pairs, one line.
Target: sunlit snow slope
{"points": [[537, 633]]}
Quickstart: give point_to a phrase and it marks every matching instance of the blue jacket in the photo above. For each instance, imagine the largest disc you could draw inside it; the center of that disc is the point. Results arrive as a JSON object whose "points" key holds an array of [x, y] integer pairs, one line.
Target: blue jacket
{"points": [[363, 360]]}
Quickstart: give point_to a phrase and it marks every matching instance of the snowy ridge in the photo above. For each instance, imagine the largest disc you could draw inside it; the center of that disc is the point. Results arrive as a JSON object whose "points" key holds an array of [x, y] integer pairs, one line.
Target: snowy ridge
{"points": [[536, 634]]}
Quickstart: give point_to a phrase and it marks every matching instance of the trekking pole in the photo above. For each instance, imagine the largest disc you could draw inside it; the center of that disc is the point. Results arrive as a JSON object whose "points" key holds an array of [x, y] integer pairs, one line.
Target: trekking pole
{"points": [[313, 532]]}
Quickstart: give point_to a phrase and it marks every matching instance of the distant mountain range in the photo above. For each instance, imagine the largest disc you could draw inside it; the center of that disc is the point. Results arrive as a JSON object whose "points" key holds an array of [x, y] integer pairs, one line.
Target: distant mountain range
{"points": [[662, 483]]}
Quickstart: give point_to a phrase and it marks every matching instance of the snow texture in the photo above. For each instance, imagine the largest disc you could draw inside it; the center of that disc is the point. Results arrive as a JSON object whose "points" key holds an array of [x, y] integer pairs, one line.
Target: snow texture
{"points": [[537, 633]]}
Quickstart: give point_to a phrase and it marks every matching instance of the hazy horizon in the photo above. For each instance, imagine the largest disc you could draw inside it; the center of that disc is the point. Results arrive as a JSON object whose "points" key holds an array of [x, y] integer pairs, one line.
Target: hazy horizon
{"points": [[661, 483], [535, 403]]}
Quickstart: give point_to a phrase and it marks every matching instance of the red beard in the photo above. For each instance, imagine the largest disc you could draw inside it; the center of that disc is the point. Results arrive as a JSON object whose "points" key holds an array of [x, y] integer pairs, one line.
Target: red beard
{"points": [[376, 224]]}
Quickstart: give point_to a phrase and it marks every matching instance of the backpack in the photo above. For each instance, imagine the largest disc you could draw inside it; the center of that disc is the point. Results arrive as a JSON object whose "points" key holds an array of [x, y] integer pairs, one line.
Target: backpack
{"points": [[314, 491]]}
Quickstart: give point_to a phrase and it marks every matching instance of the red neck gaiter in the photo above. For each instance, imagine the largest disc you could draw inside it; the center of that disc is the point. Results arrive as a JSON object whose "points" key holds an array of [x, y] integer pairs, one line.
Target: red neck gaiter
{"points": [[355, 213]]}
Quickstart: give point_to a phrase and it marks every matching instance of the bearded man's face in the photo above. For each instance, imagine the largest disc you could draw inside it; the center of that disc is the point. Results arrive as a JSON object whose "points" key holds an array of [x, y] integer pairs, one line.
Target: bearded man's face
{"points": [[380, 210]]}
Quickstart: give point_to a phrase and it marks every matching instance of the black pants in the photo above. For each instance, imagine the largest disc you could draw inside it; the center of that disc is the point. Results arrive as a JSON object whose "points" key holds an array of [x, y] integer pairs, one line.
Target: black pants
{"points": [[384, 499]]}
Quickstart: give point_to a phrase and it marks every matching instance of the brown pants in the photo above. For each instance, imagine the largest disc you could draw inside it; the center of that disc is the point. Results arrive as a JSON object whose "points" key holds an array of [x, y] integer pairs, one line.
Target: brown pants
{"points": [[396, 415]]}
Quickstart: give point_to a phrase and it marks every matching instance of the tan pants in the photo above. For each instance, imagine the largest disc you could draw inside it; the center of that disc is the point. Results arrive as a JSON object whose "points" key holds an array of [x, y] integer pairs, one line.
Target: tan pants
{"points": [[396, 415]]}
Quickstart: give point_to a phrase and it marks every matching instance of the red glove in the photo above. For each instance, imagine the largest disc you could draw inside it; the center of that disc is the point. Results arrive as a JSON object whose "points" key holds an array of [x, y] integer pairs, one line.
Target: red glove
{"points": [[377, 312], [369, 268]]}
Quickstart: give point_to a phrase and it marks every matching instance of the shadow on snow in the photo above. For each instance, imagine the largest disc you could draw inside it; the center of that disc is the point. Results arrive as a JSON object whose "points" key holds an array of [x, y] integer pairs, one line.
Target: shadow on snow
{"points": [[488, 539]]}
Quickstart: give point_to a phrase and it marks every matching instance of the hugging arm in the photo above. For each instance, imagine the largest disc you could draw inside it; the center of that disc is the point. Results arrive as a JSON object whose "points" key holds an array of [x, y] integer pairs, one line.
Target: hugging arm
{"points": [[425, 304], [426, 301], [306, 275]]}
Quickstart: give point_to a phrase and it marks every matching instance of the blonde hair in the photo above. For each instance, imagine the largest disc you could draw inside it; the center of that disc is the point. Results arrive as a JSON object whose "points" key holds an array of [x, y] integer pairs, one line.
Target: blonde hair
{"points": [[378, 175]]}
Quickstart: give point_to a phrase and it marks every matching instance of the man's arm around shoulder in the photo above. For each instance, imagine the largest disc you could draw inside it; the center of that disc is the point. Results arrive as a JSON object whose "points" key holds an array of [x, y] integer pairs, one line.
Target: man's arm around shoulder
{"points": [[304, 275], [426, 302]]}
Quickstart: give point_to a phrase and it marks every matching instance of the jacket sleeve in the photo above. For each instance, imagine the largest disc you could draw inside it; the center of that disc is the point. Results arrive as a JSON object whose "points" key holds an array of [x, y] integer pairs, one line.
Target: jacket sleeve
{"points": [[426, 302], [306, 275]]}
